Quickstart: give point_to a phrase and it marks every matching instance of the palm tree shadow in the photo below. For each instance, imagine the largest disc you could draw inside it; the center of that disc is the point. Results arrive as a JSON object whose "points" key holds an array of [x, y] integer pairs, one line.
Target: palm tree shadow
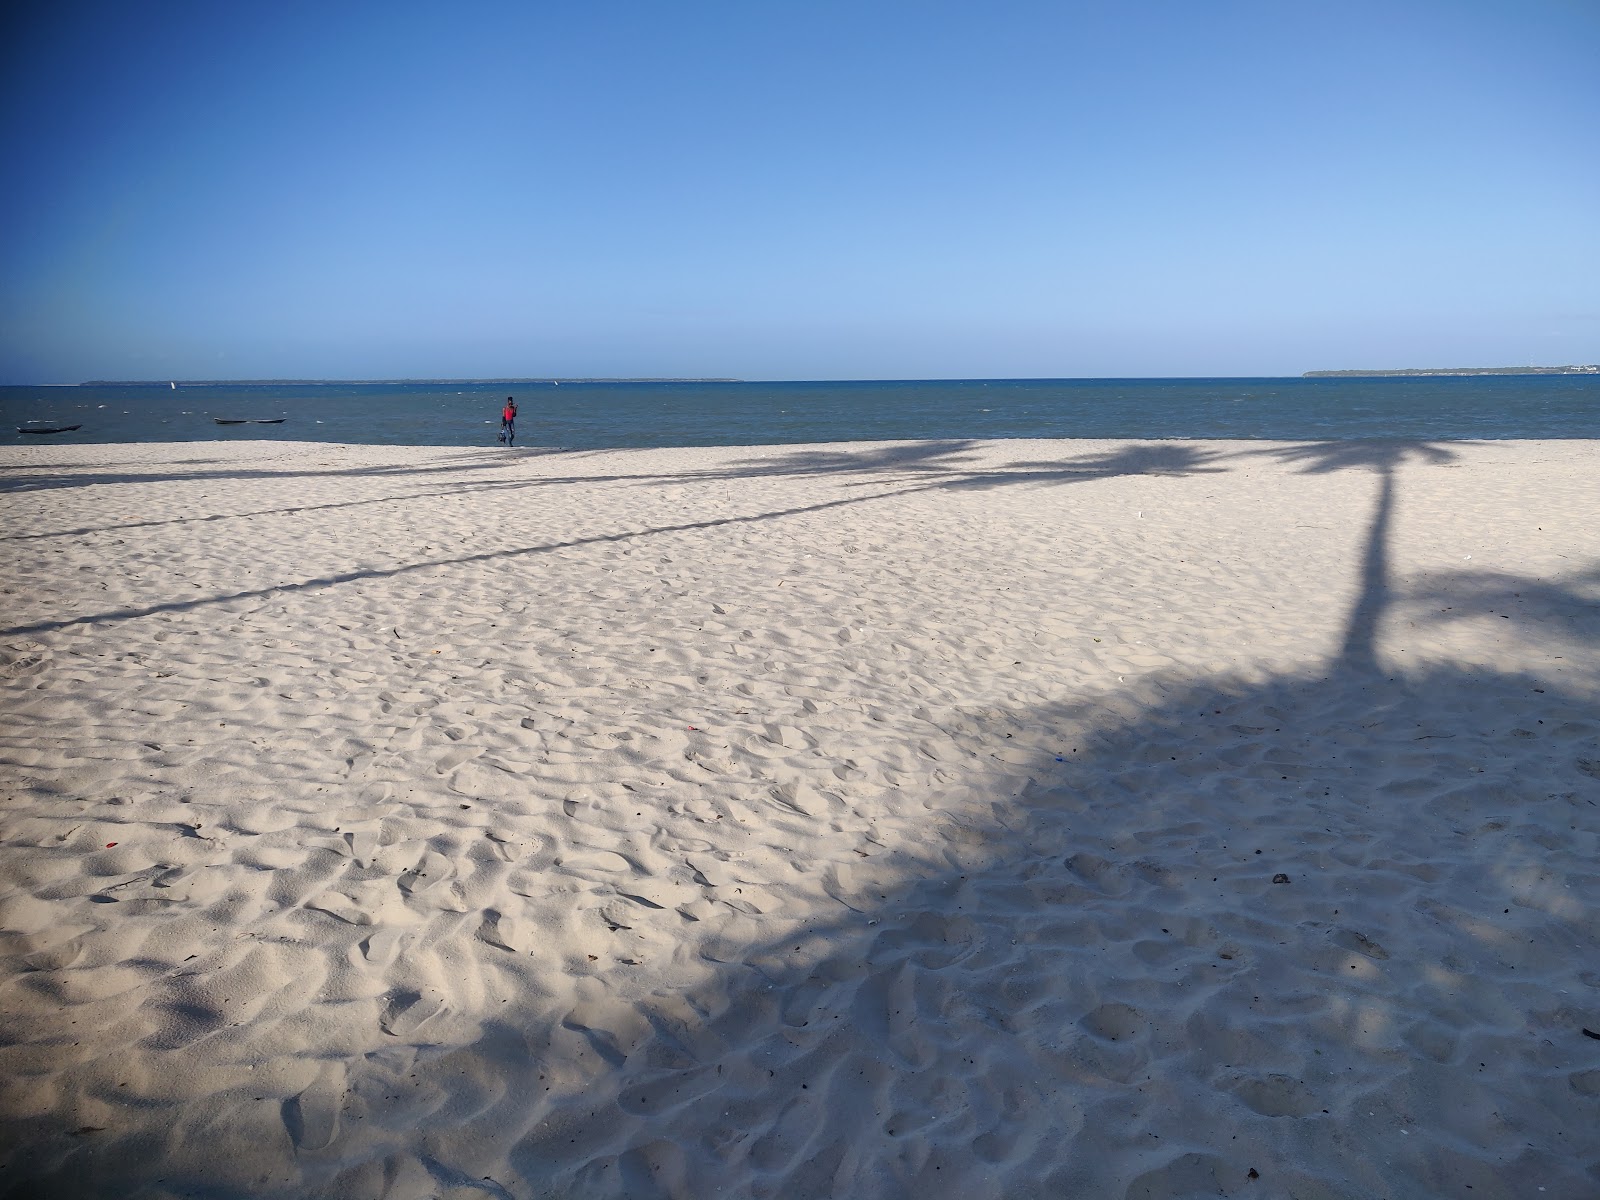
{"points": [[1567, 608], [955, 464], [1249, 927], [1162, 458], [934, 464], [949, 455], [893, 470], [1095, 983], [1358, 652]]}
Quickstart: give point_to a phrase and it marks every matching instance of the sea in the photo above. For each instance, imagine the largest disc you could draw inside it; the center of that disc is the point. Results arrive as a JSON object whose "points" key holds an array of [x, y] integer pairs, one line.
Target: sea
{"points": [[581, 415]]}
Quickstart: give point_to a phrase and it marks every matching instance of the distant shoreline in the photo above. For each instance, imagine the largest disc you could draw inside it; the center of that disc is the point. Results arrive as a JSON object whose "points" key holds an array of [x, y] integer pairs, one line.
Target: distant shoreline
{"points": [[1591, 369]]}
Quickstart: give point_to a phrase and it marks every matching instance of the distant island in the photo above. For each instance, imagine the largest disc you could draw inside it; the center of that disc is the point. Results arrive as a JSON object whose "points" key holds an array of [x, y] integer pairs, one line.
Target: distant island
{"points": [[1591, 369], [167, 383]]}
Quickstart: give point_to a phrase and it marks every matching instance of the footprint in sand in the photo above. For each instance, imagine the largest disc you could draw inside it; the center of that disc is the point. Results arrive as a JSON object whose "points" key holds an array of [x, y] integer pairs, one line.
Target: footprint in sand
{"points": [[802, 798], [409, 1011], [1157, 953], [589, 1023], [708, 871], [774, 739], [451, 759], [502, 931], [1097, 873], [363, 845], [431, 870], [934, 941], [52, 949], [1432, 1040], [336, 904], [1276, 1096], [1114, 1022], [382, 947], [312, 1117], [1349, 939], [1190, 1174]]}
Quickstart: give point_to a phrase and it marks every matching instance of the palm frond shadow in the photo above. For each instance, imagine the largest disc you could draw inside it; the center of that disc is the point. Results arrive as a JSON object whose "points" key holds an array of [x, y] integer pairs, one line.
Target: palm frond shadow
{"points": [[1568, 607], [934, 466], [1120, 952]]}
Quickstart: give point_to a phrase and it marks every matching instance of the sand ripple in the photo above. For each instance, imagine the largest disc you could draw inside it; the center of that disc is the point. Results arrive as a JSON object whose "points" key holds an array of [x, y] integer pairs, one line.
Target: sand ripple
{"points": [[943, 819]]}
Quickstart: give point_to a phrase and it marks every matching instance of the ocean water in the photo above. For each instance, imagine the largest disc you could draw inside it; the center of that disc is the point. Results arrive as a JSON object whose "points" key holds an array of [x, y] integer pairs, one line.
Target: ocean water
{"points": [[582, 416]]}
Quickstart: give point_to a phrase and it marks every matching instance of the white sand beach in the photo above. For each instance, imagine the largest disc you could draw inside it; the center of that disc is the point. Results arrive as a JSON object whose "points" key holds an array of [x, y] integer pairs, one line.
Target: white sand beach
{"points": [[991, 819]]}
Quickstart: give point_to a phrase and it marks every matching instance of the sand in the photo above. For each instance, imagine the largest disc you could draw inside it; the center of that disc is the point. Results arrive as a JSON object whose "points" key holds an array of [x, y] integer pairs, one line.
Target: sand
{"points": [[1009, 819]]}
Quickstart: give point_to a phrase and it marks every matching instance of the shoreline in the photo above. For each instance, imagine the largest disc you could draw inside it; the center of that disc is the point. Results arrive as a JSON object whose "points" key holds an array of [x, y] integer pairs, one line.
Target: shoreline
{"points": [[684, 415], [877, 818]]}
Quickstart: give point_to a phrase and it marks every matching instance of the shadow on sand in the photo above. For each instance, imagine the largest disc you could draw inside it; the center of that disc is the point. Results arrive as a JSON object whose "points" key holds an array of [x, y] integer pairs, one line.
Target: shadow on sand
{"points": [[1107, 964], [909, 469], [1131, 976]]}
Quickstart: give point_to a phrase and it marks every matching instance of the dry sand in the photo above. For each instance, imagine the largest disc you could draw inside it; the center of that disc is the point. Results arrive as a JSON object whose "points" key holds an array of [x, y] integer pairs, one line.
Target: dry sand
{"points": [[1071, 819]]}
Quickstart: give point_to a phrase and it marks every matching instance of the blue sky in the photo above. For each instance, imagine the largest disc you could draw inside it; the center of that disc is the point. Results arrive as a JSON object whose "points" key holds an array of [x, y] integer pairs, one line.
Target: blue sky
{"points": [[778, 190]]}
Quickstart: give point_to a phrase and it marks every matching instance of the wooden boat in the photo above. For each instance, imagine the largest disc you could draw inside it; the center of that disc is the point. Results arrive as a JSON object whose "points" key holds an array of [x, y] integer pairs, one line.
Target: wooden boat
{"points": [[48, 428]]}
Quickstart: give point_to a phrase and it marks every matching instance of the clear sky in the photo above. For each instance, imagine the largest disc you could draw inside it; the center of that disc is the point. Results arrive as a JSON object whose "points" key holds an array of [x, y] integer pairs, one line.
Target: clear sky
{"points": [[783, 189]]}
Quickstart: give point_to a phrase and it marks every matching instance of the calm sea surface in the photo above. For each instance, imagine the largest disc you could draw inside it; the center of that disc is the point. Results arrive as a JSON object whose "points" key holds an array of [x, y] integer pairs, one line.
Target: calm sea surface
{"points": [[598, 415]]}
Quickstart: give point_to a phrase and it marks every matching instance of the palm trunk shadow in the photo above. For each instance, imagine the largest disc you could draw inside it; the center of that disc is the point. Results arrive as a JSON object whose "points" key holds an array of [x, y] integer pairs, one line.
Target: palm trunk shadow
{"points": [[1358, 651]]}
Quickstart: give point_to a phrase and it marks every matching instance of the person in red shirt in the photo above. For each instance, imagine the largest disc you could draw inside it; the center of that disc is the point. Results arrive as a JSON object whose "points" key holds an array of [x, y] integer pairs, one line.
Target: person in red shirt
{"points": [[508, 422]]}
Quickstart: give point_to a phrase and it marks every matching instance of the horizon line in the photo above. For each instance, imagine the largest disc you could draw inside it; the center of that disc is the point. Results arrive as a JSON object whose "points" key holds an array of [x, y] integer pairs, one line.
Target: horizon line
{"points": [[1568, 368]]}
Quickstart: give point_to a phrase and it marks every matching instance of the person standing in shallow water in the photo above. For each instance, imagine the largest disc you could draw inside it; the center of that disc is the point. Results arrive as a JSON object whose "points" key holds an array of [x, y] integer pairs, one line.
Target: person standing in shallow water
{"points": [[508, 422]]}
